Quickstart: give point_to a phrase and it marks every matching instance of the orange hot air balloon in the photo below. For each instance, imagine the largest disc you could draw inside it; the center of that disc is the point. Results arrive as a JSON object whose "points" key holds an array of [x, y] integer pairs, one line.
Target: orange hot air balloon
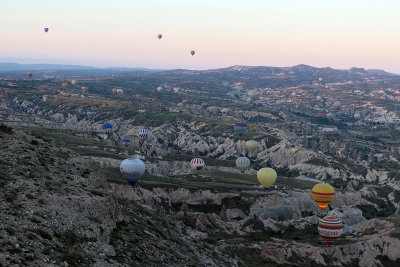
{"points": [[159, 36], [323, 194], [320, 79], [192, 52], [64, 83]]}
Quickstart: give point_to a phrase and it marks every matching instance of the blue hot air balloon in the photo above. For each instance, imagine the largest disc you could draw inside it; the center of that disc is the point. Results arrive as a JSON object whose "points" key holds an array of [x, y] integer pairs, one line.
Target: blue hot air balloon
{"points": [[107, 127], [126, 142], [240, 127]]}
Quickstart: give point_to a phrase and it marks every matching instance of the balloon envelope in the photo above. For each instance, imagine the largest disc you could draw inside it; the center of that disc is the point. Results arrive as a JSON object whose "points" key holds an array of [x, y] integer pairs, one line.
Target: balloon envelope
{"points": [[143, 133], [132, 170], [242, 163], [252, 146], [73, 82], [114, 91], [29, 74], [240, 127], [107, 127], [267, 177], [159, 36], [197, 164], [330, 229], [323, 194], [192, 52], [46, 30], [120, 92]]}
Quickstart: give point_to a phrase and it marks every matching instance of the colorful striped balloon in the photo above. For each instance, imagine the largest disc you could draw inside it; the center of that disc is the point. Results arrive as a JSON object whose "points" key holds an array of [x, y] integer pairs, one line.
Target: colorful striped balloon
{"points": [[242, 163], [330, 229], [323, 194], [197, 164]]}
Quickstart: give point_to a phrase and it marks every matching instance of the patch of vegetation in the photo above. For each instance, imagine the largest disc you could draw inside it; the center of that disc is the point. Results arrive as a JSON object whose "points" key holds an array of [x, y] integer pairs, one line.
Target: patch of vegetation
{"points": [[6, 129]]}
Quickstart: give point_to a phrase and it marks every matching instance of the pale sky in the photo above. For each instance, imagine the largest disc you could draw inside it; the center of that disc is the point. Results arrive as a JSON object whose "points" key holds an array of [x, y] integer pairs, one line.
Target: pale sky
{"points": [[335, 33]]}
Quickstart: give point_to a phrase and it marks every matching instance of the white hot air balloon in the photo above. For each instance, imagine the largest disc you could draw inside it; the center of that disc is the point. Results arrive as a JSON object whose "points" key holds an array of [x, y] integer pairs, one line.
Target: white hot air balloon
{"points": [[132, 170], [143, 133]]}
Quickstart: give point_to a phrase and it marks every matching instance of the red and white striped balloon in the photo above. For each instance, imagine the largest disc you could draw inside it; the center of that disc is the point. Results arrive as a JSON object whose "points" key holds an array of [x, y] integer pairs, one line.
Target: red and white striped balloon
{"points": [[197, 164]]}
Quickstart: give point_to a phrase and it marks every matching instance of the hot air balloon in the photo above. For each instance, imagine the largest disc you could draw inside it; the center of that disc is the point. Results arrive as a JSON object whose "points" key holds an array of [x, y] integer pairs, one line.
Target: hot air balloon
{"points": [[91, 113], [204, 105], [73, 82], [84, 89], [197, 164], [329, 115], [266, 177], [323, 194], [159, 89], [46, 30], [240, 127], [64, 83], [320, 79], [242, 163], [318, 98], [252, 93], [143, 133], [114, 91], [337, 104], [120, 92], [159, 36], [321, 114], [107, 127], [126, 141], [29, 74], [330, 229], [192, 52], [132, 170], [176, 89], [252, 146]]}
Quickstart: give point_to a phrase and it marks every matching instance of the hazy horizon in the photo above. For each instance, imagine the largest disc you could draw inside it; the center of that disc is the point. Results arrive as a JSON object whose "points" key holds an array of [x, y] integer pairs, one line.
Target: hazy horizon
{"points": [[340, 34]]}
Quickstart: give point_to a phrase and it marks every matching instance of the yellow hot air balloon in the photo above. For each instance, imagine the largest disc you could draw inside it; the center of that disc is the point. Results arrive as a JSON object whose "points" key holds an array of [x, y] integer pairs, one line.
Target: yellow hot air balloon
{"points": [[323, 194], [266, 177], [252, 146]]}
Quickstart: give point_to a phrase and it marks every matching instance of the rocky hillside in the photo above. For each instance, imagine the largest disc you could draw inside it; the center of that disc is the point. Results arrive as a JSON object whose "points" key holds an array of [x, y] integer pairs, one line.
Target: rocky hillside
{"points": [[57, 210]]}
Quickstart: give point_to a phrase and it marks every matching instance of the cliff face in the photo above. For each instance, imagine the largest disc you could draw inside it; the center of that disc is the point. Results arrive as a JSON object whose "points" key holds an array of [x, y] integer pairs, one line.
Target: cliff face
{"points": [[57, 210]]}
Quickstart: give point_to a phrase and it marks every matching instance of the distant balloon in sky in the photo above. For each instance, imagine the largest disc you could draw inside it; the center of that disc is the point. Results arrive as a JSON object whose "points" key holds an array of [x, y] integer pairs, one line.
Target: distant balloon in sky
{"points": [[64, 83], [126, 141], [114, 91], [120, 92], [240, 127], [132, 170], [107, 127], [197, 164], [84, 89], [252, 146], [73, 82], [143, 133], [267, 177], [242, 163], [320, 79], [159, 36], [46, 30], [330, 229], [192, 52], [323, 194], [321, 114], [29, 74]]}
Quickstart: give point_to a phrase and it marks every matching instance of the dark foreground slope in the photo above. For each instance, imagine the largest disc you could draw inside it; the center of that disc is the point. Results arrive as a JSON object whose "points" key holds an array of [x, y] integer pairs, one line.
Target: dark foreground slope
{"points": [[57, 210]]}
